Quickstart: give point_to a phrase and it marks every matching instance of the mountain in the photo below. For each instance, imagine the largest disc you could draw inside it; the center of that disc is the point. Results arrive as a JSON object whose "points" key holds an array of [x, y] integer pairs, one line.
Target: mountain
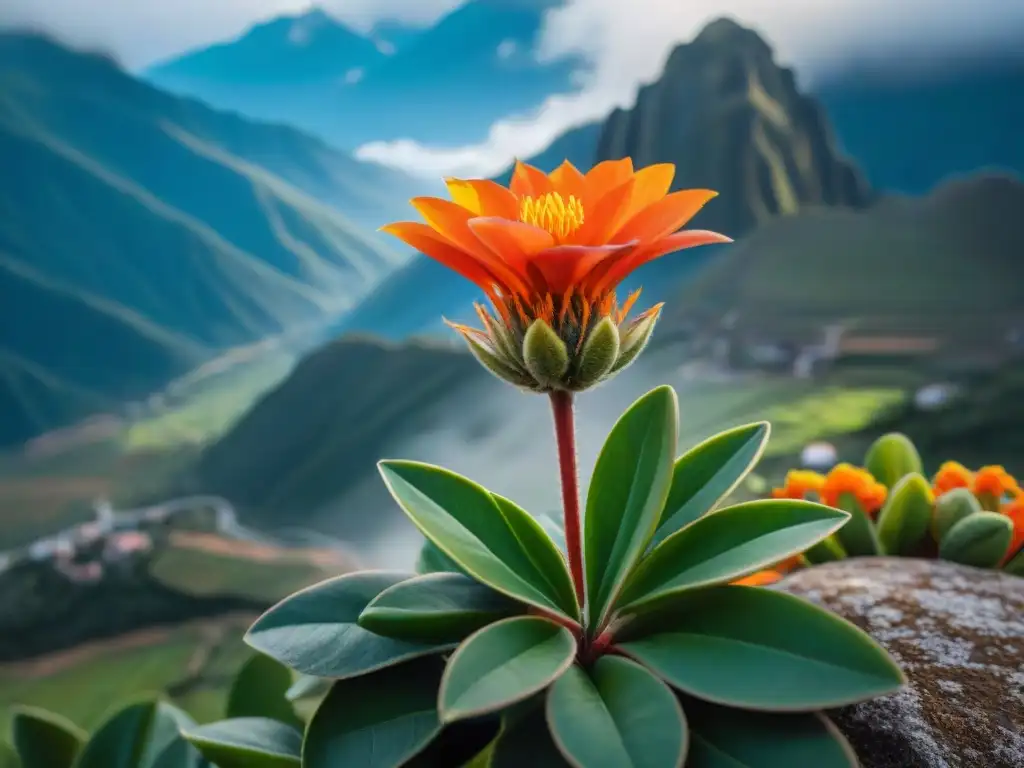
{"points": [[140, 234], [730, 119], [444, 85], [944, 269]]}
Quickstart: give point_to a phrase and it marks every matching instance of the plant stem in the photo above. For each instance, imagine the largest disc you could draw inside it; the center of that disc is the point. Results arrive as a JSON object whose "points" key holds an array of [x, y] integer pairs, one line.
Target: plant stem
{"points": [[565, 435]]}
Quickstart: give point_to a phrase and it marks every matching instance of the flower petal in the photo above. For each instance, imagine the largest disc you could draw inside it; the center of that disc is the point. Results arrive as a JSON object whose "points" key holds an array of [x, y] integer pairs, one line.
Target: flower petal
{"points": [[605, 216], [568, 181], [483, 197], [428, 242], [513, 241], [640, 256], [664, 216], [604, 177], [567, 266], [528, 181], [652, 184], [452, 222]]}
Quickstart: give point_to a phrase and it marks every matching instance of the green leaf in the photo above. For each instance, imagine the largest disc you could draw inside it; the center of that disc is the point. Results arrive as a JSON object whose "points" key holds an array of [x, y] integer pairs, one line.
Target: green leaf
{"points": [[9, 758], [436, 608], [504, 663], [552, 524], [121, 741], [906, 518], [524, 742], [260, 689], [891, 458], [467, 523], [543, 552], [825, 551], [181, 754], [1015, 565], [314, 631], [980, 540], [248, 742], [705, 475], [760, 649], [376, 721], [165, 737], [44, 739], [733, 738], [627, 493], [308, 687], [433, 560], [620, 715], [599, 353], [728, 544], [952, 507], [858, 536]]}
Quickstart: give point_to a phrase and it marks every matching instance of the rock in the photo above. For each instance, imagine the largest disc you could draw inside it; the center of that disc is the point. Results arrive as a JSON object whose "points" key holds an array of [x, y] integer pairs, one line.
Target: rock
{"points": [[958, 633]]}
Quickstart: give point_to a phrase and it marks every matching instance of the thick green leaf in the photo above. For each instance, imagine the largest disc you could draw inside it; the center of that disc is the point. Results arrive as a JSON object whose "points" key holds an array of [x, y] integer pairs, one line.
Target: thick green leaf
{"points": [[467, 524], [905, 520], [504, 663], [260, 689], [891, 458], [308, 687], [121, 741], [732, 738], [181, 754], [376, 721], [436, 608], [728, 544], [433, 560], [858, 536], [980, 540], [627, 493], [248, 742], [761, 649], [314, 631], [618, 716], [165, 736], [44, 739], [543, 552], [524, 742], [9, 758], [706, 474], [825, 551]]}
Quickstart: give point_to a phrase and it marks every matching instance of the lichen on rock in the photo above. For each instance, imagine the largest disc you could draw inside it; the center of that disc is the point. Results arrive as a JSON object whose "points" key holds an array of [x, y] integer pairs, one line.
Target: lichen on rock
{"points": [[958, 633]]}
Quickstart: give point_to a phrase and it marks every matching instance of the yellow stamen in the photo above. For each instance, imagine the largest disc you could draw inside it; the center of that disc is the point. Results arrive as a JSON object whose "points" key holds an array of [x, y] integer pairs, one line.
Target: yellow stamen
{"points": [[551, 212]]}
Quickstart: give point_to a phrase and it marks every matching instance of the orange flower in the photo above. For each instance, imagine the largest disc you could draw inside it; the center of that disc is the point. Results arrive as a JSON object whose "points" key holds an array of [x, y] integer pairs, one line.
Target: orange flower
{"points": [[773, 574], [799, 485], [845, 479], [996, 482], [554, 247], [1015, 511], [950, 476]]}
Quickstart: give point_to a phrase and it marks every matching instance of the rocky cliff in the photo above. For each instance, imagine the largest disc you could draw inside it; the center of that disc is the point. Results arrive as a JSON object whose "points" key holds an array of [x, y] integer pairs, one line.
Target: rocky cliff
{"points": [[733, 120]]}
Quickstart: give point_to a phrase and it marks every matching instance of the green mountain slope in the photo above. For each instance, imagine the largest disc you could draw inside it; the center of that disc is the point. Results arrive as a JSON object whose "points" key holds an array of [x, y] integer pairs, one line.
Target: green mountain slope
{"points": [[946, 267], [140, 234]]}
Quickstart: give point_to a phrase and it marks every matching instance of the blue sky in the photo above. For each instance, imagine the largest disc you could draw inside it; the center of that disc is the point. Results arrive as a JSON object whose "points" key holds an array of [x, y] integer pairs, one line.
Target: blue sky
{"points": [[625, 41]]}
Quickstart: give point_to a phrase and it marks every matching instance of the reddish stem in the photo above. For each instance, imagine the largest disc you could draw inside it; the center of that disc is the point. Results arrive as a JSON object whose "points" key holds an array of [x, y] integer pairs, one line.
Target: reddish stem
{"points": [[565, 435]]}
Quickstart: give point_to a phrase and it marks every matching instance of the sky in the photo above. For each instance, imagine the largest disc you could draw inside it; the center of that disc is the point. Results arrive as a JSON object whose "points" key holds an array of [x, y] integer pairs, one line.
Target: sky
{"points": [[625, 42]]}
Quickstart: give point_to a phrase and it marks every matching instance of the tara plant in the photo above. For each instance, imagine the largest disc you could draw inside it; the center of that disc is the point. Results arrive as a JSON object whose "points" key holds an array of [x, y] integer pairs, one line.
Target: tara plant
{"points": [[615, 638], [971, 518]]}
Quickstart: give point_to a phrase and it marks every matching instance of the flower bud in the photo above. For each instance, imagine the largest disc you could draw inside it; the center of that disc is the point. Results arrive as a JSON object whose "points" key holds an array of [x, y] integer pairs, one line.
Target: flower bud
{"points": [[635, 337], [545, 354], [891, 458], [599, 353]]}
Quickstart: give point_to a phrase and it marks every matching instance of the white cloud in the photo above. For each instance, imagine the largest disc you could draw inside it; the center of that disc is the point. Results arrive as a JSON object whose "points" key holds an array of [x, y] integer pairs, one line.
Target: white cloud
{"points": [[626, 44], [141, 32], [354, 75], [506, 48]]}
